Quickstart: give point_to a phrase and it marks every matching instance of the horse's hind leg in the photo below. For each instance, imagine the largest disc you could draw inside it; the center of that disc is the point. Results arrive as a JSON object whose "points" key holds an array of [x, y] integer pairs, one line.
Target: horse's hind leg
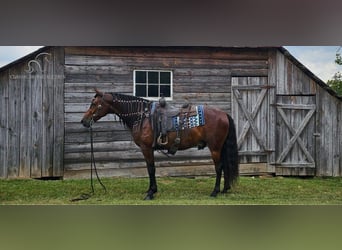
{"points": [[218, 168], [226, 182]]}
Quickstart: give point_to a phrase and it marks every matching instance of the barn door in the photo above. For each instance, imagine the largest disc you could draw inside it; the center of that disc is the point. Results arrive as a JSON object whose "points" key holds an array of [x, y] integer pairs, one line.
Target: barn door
{"points": [[250, 110], [295, 133]]}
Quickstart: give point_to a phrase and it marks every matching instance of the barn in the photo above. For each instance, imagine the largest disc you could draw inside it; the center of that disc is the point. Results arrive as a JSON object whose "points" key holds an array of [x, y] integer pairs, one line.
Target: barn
{"points": [[288, 120]]}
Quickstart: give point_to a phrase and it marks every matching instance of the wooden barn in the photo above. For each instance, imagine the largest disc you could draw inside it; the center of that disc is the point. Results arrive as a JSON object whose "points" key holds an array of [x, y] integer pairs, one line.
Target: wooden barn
{"points": [[288, 121]]}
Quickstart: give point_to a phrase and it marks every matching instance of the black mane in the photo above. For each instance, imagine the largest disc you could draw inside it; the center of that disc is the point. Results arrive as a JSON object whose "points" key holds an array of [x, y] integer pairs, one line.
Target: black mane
{"points": [[132, 108]]}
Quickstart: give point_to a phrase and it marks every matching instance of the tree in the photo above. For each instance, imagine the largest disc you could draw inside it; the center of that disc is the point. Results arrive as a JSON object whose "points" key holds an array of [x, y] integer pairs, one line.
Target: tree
{"points": [[336, 82]]}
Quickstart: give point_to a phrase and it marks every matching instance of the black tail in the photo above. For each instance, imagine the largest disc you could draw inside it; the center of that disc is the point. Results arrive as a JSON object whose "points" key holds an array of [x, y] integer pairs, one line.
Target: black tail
{"points": [[229, 155]]}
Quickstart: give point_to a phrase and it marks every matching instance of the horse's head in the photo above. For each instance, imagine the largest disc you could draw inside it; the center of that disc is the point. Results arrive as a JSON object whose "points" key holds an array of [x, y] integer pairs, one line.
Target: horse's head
{"points": [[99, 107]]}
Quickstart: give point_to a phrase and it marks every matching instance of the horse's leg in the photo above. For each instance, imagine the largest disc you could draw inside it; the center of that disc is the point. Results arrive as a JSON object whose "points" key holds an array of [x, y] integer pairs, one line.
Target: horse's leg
{"points": [[218, 168], [226, 186], [149, 158]]}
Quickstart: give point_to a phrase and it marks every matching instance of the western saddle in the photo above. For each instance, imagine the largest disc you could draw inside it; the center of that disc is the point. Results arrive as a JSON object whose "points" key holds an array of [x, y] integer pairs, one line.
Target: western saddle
{"points": [[162, 122]]}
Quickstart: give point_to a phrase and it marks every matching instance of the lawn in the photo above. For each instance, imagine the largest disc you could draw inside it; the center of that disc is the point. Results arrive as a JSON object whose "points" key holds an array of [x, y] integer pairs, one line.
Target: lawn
{"points": [[175, 191]]}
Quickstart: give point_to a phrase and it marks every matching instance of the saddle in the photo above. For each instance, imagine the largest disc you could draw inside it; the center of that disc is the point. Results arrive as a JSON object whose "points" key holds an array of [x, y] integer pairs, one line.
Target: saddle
{"points": [[168, 118]]}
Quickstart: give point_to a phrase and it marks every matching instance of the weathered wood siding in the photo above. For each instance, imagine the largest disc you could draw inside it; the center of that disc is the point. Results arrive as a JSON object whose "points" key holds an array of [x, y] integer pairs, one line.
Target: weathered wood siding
{"points": [[268, 92], [321, 135], [31, 117], [201, 75], [329, 134]]}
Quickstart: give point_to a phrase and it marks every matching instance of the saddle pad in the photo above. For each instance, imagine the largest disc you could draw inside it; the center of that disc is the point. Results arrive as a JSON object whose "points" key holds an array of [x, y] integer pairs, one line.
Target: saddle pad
{"points": [[190, 121]]}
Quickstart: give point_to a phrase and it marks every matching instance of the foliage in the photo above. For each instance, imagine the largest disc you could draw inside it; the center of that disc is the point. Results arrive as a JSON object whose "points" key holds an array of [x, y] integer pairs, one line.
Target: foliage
{"points": [[338, 59], [336, 82], [175, 191]]}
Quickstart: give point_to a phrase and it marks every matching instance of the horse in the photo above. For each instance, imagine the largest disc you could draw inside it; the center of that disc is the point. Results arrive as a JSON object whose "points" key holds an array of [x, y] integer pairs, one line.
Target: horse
{"points": [[218, 134]]}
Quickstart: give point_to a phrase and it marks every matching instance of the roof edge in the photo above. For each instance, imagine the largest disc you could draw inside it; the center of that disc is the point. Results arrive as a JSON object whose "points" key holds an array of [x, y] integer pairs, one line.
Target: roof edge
{"points": [[320, 82], [40, 50]]}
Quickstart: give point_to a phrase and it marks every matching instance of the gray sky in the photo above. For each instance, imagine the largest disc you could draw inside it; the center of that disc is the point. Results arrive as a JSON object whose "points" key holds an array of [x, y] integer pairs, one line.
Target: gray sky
{"points": [[318, 59]]}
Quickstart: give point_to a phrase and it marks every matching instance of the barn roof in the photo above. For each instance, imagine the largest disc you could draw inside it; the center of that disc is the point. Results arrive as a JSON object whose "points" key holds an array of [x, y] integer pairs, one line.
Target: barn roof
{"points": [[287, 54], [309, 73]]}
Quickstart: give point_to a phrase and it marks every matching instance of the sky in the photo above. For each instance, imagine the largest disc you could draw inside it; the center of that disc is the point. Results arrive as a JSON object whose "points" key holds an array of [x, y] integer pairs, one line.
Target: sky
{"points": [[318, 59]]}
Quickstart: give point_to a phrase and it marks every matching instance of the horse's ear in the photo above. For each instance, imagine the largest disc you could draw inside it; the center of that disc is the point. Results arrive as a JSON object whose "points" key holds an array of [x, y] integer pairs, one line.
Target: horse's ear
{"points": [[98, 92]]}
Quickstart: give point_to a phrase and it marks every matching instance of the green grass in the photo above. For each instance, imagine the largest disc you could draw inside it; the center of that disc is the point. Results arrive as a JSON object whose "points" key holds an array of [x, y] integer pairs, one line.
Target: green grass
{"points": [[175, 191]]}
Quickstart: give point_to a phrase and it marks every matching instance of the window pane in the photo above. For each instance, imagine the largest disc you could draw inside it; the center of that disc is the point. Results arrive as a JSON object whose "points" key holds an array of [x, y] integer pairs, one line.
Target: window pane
{"points": [[165, 90], [153, 90], [165, 77], [153, 77], [140, 76], [140, 90]]}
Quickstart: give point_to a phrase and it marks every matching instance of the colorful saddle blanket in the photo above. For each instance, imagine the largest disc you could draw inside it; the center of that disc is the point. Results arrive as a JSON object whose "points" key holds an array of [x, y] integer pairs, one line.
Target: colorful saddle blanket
{"points": [[183, 121]]}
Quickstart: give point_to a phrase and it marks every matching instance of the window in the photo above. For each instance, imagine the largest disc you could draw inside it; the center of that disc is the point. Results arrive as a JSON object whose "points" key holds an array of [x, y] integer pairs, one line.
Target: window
{"points": [[153, 83]]}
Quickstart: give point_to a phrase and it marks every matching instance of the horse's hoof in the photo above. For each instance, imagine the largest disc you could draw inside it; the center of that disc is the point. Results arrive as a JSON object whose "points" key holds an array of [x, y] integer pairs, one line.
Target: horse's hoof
{"points": [[149, 197], [213, 194]]}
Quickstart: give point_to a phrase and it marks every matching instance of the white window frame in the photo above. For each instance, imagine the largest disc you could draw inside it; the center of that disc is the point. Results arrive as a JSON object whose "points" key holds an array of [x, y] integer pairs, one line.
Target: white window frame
{"points": [[154, 70]]}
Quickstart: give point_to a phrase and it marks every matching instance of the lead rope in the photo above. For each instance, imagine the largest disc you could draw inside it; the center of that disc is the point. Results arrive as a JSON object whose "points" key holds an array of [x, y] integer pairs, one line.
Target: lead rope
{"points": [[86, 196], [92, 163]]}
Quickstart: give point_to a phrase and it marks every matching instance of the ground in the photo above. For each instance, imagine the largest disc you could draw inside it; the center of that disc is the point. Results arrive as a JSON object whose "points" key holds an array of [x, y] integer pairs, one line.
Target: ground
{"points": [[175, 191]]}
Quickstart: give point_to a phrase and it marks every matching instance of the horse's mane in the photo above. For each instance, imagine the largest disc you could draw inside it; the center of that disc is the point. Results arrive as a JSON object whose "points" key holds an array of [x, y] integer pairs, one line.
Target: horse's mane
{"points": [[132, 108]]}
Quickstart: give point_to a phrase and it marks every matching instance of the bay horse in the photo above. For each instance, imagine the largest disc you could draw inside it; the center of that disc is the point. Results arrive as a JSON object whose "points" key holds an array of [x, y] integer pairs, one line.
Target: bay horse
{"points": [[218, 133]]}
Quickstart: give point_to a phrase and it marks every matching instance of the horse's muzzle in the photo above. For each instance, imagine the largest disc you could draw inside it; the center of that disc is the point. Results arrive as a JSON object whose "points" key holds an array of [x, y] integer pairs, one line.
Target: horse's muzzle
{"points": [[86, 123]]}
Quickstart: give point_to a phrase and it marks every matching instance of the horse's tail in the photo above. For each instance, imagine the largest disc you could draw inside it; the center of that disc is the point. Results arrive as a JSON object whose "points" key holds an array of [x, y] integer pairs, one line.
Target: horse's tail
{"points": [[229, 154]]}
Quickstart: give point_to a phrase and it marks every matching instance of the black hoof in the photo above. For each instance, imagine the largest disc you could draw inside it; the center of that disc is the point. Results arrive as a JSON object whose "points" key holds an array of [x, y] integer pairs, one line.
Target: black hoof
{"points": [[214, 193], [149, 197]]}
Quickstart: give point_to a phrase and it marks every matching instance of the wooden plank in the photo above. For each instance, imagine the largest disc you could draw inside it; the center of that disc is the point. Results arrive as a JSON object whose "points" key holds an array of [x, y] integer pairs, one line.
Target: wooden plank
{"points": [[100, 146], [272, 79], [203, 97], [318, 134], [47, 116], [14, 115], [37, 125], [25, 126], [280, 78], [178, 52], [295, 170], [204, 72], [296, 106], [4, 129], [89, 87], [101, 136], [58, 111], [249, 72], [105, 160], [97, 69]]}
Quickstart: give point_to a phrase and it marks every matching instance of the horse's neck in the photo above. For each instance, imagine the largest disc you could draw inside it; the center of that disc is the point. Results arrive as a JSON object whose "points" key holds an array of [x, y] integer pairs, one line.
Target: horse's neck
{"points": [[130, 111]]}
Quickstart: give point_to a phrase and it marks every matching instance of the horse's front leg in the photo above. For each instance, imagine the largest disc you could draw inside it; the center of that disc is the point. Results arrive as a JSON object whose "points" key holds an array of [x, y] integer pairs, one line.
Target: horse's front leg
{"points": [[149, 158]]}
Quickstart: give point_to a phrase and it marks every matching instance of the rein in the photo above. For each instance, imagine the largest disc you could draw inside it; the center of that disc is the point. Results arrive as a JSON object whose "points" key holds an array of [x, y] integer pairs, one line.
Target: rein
{"points": [[86, 196]]}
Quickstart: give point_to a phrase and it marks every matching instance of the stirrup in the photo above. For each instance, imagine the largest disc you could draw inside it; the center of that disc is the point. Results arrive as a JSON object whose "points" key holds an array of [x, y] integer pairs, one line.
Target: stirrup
{"points": [[160, 140]]}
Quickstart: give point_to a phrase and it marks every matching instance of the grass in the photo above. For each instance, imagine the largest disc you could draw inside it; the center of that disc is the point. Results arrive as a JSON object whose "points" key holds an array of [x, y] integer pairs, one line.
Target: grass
{"points": [[175, 191]]}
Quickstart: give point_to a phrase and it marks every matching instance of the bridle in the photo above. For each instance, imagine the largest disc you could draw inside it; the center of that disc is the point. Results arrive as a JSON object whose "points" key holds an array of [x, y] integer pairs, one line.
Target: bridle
{"points": [[99, 107], [86, 196]]}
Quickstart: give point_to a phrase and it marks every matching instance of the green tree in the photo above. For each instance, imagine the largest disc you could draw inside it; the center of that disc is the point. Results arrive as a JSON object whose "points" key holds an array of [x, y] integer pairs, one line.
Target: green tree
{"points": [[336, 82]]}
